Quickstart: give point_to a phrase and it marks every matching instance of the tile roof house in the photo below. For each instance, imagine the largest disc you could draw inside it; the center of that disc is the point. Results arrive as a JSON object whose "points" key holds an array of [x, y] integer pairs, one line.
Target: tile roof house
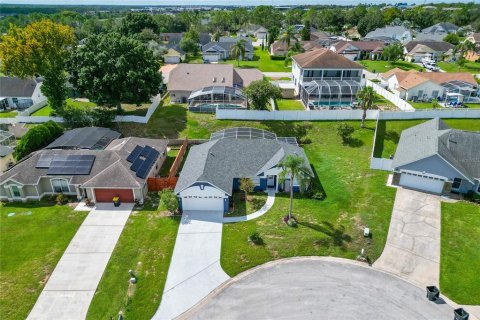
{"points": [[279, 48], [474, 55], [219, 51], [435, 158], [390, 34], [424, 86], [16, 93], [120, 170], [358, 50], [212, 170], [415, 50], [187, 78]]}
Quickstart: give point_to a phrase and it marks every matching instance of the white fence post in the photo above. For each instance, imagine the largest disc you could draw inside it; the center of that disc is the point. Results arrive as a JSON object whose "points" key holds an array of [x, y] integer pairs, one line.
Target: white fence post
{"points": [[396, 100]]}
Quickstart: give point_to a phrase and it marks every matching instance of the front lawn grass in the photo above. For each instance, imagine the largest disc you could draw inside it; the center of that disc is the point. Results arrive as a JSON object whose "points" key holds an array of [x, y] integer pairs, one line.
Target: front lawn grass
{"points": [[146, 247], [31, 243], [242, 207], [263, 62], [289, 104], [380, 66], [460, 254], [471, 67], [8, 114]]}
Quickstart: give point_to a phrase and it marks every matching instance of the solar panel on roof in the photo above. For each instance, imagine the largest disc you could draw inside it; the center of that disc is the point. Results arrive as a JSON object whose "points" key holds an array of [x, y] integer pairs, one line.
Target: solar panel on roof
{"points": [[147, 164], [146, 150], [135, 153], [136, 164], [71, 164]]}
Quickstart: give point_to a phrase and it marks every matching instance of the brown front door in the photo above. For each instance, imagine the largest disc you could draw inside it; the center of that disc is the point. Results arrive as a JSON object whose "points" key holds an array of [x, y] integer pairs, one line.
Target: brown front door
{"points": [[106, 195]]}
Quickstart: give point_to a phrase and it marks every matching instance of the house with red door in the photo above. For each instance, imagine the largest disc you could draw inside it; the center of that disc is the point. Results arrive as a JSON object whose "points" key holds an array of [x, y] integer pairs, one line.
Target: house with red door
{"points": [[120, 169]]}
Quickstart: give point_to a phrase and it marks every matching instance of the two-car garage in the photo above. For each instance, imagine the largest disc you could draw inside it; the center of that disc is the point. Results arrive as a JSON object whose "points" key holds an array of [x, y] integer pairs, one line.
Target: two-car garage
{"points": [[106, 195], [202, 197], [420, 182]]}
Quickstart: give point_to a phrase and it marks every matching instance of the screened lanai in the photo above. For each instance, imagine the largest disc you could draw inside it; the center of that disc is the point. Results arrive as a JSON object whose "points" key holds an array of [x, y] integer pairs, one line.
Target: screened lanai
{"points": [[467, 90], [218, 96], [328, 94]]}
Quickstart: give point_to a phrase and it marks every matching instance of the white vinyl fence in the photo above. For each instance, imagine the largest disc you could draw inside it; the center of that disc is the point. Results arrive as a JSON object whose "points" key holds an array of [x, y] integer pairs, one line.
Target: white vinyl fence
{"points": [[33, 108], [381, 164], [396, 100]]}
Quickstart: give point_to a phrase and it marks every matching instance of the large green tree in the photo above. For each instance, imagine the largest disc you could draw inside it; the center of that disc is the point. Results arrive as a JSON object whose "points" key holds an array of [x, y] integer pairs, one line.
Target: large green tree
{"points": [[393, 52], [260, 92], [134, 22], [110, 69], [41, 48]]}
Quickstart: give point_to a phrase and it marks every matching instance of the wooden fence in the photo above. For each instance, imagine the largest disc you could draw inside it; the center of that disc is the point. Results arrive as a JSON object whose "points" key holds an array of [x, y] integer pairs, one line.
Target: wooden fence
{"points": [[158, 184], [178, 160]]}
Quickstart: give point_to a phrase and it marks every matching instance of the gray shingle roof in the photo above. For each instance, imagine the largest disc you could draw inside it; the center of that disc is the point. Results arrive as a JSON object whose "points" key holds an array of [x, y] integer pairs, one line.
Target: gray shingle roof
{"points": [[435, 45], [460, 148], [218, 162], [224, 46], [442, 27], [85, 138], [14, 87]]}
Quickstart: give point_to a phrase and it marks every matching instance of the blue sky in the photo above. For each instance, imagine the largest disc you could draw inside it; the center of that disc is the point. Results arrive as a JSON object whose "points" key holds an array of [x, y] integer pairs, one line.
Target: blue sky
{"points": [[210, 2]]}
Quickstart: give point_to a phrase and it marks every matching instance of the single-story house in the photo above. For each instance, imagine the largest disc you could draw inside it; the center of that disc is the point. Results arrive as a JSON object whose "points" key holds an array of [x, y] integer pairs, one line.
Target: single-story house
{"points": [[475, 54], [357, 50], [91, 138], [188, 78], [415, 50], [17, 93], [425, 86], [219, 51], [174, 54], [257, 31], [171, 38], [435, 158], [7, 146], [391, 34], [437, 32], [212, 170], [121, 170], [280, 49]]}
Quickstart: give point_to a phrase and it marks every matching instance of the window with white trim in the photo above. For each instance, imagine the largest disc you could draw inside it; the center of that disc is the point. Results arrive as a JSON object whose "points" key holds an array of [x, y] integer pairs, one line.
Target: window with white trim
{"points": [[60, 186]]}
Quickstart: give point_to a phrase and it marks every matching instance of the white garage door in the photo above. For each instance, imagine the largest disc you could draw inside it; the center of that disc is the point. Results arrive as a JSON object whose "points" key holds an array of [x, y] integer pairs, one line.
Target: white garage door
{"points": [[421, 183], [202, 203]]}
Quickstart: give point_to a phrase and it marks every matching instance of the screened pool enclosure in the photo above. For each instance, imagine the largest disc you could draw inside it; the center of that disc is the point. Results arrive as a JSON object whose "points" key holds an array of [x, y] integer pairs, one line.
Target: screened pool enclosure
{"points": [[329, 94], [208, 99]]}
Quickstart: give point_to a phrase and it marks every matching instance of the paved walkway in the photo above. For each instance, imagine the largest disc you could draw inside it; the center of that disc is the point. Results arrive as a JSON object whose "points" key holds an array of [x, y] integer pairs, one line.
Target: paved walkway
{"points": [[412, 250], [318, 288], [278, 74], [195, 269], [70, 288], [268, 204]]}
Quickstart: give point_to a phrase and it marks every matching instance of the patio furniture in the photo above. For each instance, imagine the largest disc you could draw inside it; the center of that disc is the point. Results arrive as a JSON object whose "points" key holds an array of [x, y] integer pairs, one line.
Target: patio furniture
{"points": [[433, 293]]}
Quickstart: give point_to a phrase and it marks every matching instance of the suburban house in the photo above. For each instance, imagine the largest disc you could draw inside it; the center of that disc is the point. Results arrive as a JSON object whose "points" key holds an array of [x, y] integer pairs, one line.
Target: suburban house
{"points": [[415, 50], [257, 31], [435, 158], [16, 93], [188, 81], [390, 34], [7, 146], [174, 54], [474, 55], [90, 138], [280, 49], [213, 170], [436, 32], [358, 50], [120, 170], [324, 78], [219, 51], [171, 38], [425, 86]]}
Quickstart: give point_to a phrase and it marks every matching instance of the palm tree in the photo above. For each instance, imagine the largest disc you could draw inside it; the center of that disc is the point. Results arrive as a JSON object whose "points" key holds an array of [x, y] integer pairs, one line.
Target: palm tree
{"points": [[463, 47], [288, 35], [366, 96], [293, 50], [294, 167], [216, 36], [237, 50]]}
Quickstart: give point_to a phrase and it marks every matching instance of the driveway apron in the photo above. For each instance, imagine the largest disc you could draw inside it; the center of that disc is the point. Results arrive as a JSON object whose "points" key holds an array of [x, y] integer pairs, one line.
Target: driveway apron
{"points": [[412, 250], [70, 288], [195, 269]]}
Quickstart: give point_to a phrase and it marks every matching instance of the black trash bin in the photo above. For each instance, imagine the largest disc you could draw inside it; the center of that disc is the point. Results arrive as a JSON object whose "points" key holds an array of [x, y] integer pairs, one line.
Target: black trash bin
{"points": [[432, 293], [460, 314]]}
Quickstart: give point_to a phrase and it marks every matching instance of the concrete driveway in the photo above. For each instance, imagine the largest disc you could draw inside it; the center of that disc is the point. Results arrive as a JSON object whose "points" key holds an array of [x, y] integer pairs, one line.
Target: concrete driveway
{"points": [[70, 288], [318, 288], [412, 250], [195, 269]]}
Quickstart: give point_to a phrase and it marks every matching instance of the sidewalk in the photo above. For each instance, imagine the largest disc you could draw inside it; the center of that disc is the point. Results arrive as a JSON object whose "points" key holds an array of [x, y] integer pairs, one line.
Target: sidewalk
{"points": [[268, 204]]}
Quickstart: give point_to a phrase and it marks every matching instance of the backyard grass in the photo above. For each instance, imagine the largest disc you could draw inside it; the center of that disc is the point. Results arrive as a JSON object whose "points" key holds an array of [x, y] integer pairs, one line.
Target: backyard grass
{"points": [[263, 62], [460, 257], [146, 247], [242, 207], [389, 132], [128, 109], [428, 105], [383, 103], [289, 104], [472, 67], [31, 242], [171, 155], [380, 66], [8, 114]]}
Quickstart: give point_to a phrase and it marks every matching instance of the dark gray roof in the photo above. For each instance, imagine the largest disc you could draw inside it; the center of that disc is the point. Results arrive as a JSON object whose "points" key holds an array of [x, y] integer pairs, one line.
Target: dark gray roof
{"points": [[14, 87], [110, 168], [224, 46], [218, 162], [177, 48], [442, 27], [85, 138], [460, 148], [434, 45]]}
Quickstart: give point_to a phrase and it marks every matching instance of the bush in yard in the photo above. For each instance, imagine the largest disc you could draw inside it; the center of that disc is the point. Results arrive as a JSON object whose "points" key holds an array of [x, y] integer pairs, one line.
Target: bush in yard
{"points": [[255, 238], [247, 186], [260, 92], [168, 200], [36, 138], [60, 199], [75, 117], [345, 131]]}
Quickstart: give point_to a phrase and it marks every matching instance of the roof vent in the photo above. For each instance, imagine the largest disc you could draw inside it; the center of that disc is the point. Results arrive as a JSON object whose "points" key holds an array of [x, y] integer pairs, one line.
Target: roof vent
{"points": [[214, 79], [188, 72], [223, 79], [211, 153]]}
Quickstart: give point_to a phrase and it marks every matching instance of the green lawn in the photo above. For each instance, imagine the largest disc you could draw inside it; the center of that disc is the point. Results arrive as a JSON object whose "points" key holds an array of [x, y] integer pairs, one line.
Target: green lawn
{"points": [[31, 243], [428, 105], [472, 67], [460, 254], [8, 114], [145, 246], [289, 104], [263, 62], [242, 207], [389, 132], [383, 103], [380, 66], [171, 155]]}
